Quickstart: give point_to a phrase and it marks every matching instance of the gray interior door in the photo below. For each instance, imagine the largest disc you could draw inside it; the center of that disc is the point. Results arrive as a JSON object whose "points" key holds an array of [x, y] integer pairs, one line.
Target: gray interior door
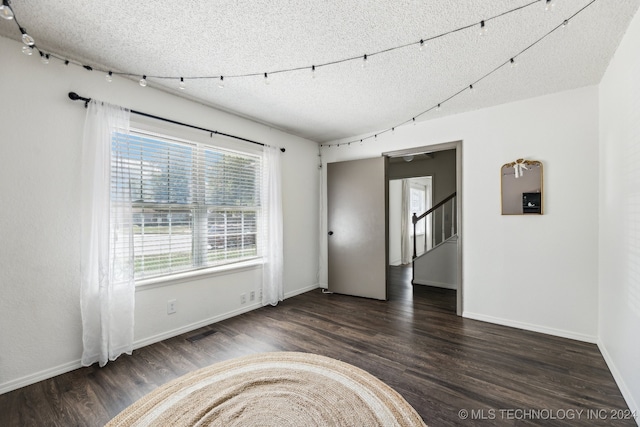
{"points": [[357, 227]]}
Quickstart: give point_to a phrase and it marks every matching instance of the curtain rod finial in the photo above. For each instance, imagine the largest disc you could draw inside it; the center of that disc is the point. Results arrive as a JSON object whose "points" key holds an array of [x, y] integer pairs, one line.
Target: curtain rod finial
{"points": [[75, 97]]}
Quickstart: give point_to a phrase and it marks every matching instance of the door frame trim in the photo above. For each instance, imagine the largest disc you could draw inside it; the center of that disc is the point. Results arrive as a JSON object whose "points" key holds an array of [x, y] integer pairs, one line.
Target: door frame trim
{"points": [[457, 145]]}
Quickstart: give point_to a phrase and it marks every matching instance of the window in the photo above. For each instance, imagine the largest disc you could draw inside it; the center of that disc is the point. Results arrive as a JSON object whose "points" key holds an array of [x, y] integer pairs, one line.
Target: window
{"points": [[194, 205], [417, 202]]}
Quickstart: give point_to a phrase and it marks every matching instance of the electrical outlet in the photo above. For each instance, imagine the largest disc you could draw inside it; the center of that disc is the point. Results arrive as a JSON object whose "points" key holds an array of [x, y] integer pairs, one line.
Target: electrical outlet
{"points": [[243, 298], [172, 306], [252, 296]]}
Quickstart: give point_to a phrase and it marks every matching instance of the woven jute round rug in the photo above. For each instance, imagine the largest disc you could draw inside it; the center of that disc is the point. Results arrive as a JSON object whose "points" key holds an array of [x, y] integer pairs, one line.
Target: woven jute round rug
{"points": [[273, 389]]}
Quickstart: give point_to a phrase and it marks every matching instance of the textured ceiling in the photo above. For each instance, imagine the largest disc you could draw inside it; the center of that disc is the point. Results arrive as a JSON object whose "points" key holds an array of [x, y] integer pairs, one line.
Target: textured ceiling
{"points": [[228, 37]]}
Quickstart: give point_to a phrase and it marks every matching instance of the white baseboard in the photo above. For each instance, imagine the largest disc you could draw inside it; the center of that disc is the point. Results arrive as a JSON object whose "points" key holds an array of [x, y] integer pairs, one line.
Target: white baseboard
{"points": [[619, 379], [435, 284], [39, 376], [193, 326], [301, 291], [531, 327], [73, 365], [211, 320]]}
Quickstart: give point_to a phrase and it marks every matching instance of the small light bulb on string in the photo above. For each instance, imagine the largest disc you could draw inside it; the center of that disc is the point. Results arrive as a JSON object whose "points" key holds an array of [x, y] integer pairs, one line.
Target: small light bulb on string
{"points": [[221, 82], [143, 81], [313, 71], [472, 89], [266, 79], [438, 107], [393, 131], [364, 61], [565, 23], [414, 121], [5, 10], [182, 85], [550, 4], [44, 58], [513, 63], [421, 45], [109, 77], [27, 50], [26, 38], [483, 29]]}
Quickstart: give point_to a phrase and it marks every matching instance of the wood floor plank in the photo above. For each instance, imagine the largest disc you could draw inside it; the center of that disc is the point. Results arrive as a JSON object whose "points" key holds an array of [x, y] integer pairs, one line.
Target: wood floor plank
{"points": [[439, 362]]}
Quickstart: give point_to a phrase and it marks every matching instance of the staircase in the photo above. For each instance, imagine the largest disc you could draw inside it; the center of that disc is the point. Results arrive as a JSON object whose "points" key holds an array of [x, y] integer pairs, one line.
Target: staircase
{"points": [[438, 265]]}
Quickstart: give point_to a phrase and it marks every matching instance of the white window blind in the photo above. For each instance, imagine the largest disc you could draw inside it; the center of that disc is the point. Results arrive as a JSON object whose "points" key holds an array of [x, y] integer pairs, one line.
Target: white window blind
{"points": [[194, 205]]}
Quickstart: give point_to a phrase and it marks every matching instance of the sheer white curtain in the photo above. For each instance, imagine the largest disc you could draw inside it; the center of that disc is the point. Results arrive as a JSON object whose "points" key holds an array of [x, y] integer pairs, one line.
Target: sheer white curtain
{"points": [[107, 285], [272, 285], [405, 224]]}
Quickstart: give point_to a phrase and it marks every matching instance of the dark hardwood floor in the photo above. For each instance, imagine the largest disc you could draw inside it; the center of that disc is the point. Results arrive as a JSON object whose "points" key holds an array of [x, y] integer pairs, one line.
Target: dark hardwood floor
{"points": [[414, 342]]}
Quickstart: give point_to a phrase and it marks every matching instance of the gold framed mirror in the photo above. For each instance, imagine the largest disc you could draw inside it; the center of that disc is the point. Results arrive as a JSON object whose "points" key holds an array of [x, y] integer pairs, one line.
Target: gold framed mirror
{"points": [[521, 188]]}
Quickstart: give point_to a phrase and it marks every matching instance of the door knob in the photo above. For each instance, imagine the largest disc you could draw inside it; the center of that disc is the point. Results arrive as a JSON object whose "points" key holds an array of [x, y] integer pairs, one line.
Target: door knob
{"points": [[331, 233]]}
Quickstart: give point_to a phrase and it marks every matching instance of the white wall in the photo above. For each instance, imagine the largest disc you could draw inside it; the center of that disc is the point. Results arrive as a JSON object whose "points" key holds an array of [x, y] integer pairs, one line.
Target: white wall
{"points": [[533, 272], [439, 267], [40, 143], [619, 278]]}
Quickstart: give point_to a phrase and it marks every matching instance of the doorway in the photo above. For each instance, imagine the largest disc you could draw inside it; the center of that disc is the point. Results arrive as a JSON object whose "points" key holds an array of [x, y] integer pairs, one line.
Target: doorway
{"points": [[443, 162]]}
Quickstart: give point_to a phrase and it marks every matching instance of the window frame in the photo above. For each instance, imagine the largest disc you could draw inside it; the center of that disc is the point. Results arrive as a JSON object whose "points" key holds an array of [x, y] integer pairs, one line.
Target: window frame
{"points": [[146, 127], [421, 228]]}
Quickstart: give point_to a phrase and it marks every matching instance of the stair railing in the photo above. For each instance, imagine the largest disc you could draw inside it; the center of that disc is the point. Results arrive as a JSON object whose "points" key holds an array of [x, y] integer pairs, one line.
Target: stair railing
{"points": [[442, 208]]}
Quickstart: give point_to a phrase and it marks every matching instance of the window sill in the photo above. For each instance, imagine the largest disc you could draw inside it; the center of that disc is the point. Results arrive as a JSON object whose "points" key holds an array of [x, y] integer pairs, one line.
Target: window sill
{"points": [[157, 282]]}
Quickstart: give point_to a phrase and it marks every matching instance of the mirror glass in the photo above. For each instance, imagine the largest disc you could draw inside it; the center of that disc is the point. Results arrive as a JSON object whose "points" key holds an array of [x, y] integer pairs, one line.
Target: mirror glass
{"points": [[521, 183]]}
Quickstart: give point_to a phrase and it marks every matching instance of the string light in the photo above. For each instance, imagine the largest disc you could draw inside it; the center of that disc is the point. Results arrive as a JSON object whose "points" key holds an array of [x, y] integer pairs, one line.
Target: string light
{"points": [[472, 89], [486, 75], [109, 77], [550, 4], [44, 58], [313, 71], [7, 13], [422, 43], [483, 28], [266, 79], [221, 82], [5, 10], [513, 63], [26, 38], [182, 85]]}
